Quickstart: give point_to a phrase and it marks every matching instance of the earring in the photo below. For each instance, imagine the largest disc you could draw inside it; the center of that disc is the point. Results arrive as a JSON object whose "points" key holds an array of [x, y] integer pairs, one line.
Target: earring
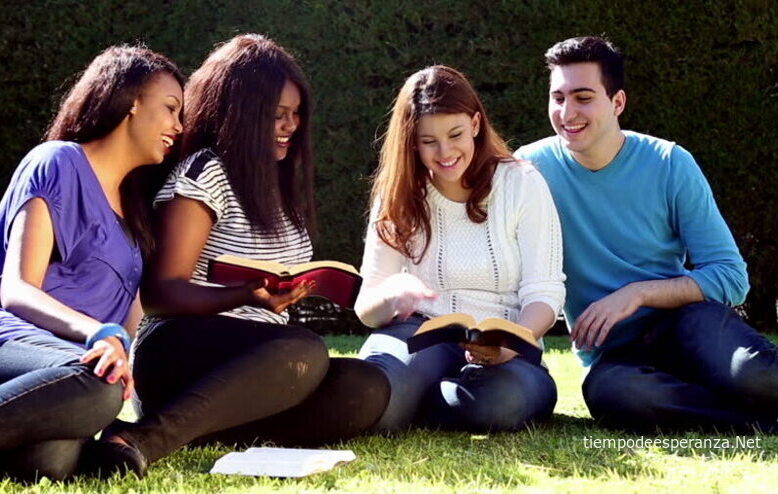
{"points": [[475, 134], [133, 110]]}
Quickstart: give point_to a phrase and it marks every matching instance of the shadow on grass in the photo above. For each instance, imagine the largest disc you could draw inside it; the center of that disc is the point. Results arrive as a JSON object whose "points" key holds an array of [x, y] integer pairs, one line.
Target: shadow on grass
{"points": [[421, 459], [498, 461], [566, 447]]}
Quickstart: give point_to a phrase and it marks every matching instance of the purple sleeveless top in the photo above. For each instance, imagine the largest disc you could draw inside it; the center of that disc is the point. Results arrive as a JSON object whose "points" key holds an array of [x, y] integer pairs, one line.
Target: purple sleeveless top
{"points": [[95, 269]]}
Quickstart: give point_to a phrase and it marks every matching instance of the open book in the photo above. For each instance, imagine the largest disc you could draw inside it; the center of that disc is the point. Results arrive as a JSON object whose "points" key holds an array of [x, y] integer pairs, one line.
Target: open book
{"points": [[462, 328], [281, 462], [336, 281]]}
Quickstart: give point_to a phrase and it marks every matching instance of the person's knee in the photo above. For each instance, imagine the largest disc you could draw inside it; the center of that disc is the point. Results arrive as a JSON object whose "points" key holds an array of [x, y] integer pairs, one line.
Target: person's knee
{"points": [[703, 318], [56, 459], [705, 307], [507, 403], [362, 380], [750, 367], [303, 353], [363, 388], [405, 392], [620, 399], [603, 391], [97, 403], [754, 375], [305, 342], [107, 401]]}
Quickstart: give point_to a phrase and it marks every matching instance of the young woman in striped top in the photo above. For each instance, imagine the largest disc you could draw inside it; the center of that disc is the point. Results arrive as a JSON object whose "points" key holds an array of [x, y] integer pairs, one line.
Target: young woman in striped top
{"points": [[221, 363]]}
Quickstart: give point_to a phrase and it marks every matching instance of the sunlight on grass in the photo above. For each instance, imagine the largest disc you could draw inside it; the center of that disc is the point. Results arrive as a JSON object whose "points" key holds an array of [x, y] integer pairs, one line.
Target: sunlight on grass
{"points": [[551, 457]]}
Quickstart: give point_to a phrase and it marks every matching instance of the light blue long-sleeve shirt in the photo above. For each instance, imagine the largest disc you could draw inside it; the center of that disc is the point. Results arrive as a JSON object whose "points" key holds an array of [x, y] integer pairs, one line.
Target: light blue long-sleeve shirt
{"points": [[639, 218]]}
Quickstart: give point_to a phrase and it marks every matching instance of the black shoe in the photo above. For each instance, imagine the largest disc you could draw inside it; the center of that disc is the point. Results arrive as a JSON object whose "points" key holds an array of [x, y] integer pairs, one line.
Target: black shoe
{"points": [[103, 458]]}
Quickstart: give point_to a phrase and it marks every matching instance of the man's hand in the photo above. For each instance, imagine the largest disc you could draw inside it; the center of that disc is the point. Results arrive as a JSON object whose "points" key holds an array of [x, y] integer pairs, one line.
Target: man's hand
{"points": [[593, 325], [487, 355]]}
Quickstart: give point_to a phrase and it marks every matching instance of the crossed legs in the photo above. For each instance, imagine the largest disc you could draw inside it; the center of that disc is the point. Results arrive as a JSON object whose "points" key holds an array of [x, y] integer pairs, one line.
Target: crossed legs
{"points": [[436, 386]]}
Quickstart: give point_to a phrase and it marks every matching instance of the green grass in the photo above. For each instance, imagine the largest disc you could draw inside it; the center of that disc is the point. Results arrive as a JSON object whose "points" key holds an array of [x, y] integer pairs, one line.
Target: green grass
{"points": [[547, 458]]}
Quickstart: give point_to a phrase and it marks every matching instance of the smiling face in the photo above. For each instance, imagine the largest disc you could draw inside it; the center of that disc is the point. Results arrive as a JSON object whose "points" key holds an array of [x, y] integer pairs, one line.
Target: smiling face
{"points": [[445, 143], [583, 115], [155, 118], [287, 118]]}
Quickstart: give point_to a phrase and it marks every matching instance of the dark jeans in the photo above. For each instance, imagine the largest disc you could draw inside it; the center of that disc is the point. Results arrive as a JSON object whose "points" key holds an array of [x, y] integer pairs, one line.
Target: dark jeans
{"points": [[49, 404], [237, 381], [699, 366], [436, 387]]}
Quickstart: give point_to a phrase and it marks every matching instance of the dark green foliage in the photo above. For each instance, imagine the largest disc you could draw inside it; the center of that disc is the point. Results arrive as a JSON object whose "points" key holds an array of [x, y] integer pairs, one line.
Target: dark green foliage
{"points": [[702, 73]]}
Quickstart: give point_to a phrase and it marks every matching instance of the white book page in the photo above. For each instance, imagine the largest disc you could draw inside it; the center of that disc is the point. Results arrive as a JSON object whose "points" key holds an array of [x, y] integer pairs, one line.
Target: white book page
{"points": [[281, 462]]}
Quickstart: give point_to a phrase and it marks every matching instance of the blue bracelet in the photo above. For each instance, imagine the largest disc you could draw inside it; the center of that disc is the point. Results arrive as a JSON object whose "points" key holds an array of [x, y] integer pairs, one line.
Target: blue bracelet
{"points": [[110, 329]]}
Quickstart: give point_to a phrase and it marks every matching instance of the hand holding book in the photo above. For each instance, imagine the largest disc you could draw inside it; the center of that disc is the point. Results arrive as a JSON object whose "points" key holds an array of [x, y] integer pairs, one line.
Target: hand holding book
{"points": [[487, 355], [336, 281], [279, 301], [483, 338]]}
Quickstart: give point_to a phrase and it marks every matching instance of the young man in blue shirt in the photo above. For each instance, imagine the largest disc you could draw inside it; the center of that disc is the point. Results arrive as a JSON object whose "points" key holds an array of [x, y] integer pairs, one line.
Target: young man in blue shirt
{"points": [[664, 346]]}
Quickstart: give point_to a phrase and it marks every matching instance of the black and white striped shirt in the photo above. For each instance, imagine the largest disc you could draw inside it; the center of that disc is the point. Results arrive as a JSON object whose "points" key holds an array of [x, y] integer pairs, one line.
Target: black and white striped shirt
{"points": [[202, 177]]}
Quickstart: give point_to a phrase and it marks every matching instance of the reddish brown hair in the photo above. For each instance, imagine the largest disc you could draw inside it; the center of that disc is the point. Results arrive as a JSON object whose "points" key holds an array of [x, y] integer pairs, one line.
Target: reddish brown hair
{"points": [[400, 183]]}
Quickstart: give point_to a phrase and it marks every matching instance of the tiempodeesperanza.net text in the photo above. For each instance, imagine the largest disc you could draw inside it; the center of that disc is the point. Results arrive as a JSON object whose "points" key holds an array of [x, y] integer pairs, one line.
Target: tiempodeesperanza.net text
{"points": [[674, 443]]}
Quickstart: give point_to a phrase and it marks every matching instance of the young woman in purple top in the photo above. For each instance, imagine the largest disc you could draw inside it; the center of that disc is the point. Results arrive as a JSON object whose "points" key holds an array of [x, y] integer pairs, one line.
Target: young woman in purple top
{"points": [[74, 233]]}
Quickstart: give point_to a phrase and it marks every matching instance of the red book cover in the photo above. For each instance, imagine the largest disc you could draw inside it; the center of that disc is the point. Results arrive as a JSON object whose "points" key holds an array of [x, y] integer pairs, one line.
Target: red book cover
{"points": [[335, 281]]}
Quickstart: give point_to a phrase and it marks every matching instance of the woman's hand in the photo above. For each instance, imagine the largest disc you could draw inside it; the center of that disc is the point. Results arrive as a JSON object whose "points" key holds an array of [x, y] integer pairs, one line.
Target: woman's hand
{"points": [[278, 302], [112, 356], [487, 355], [405, 291]]}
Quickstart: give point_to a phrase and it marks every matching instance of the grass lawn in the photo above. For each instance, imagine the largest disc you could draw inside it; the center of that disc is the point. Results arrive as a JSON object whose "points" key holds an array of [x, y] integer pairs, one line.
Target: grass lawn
{"points": [[554, 457]]}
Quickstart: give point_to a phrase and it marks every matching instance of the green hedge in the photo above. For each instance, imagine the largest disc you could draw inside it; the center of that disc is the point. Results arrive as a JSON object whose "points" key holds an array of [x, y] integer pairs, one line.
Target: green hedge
{"points": [[702, 73]]}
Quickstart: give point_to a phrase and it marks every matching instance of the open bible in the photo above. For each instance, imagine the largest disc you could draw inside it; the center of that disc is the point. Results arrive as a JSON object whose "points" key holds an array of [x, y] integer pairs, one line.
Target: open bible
{"points": [[335, 281], [281, 462], [462, 328]]}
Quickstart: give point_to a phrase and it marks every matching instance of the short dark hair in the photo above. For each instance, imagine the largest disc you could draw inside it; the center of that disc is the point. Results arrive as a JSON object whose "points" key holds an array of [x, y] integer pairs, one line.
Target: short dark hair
{"points": [[591, 49]]}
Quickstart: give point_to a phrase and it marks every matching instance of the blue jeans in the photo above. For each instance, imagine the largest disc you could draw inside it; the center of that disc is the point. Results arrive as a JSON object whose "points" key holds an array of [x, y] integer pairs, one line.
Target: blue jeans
{"points": [[436, 387], [699, 366], [49, 404]]}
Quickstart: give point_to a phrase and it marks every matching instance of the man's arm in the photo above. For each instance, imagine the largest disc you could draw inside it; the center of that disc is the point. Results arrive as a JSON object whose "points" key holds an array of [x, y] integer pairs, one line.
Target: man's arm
{"points": [[719, 271], [594, 324]]}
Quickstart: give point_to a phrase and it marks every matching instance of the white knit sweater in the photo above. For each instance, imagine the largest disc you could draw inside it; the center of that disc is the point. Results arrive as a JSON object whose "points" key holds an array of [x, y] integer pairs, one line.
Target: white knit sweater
{"points": [[489, 269]]}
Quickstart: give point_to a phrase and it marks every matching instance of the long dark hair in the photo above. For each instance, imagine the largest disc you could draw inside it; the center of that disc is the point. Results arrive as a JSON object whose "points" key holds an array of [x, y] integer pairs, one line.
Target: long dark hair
{"points": [[400, 182], [231, 104], [98, 102]]}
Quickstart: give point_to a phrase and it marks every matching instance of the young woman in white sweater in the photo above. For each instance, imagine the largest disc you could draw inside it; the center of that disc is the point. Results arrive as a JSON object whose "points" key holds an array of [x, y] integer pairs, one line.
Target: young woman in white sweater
{"points": [[457, 225]]}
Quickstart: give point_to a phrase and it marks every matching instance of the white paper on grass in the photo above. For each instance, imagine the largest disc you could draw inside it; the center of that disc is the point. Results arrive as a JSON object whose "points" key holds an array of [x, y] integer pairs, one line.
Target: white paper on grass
{"points": [[281, 462]]}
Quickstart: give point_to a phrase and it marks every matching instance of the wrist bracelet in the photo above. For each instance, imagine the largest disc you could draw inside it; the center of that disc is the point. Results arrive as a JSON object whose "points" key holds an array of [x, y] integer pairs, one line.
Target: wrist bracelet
{"points": [[109, 329]]}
